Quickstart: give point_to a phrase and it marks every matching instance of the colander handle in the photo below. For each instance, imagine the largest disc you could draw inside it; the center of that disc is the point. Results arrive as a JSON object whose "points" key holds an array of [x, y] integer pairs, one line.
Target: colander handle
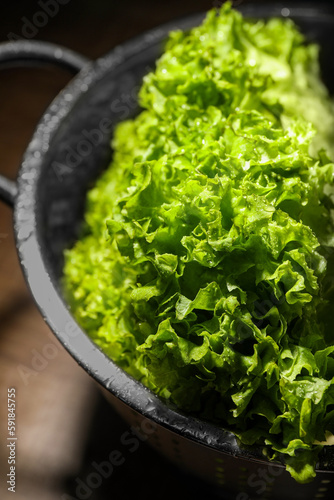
{"points": [[34, 53]]}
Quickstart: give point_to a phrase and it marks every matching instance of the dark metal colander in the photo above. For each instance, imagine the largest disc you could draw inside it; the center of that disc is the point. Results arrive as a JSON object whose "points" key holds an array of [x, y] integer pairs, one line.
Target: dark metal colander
{"points": [[69, 149]]}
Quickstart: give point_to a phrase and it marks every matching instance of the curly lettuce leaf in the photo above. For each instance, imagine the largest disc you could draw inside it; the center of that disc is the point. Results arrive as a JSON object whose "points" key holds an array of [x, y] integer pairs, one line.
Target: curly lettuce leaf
{"points": [[205, 265]]}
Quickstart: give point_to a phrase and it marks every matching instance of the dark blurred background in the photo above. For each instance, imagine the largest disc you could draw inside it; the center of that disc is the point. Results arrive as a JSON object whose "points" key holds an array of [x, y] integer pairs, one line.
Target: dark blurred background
{"points": [[63, 423]]}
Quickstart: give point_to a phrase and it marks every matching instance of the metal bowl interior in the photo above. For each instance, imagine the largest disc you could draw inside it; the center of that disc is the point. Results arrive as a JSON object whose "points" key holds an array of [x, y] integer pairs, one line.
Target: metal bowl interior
{"points": [[70, 148]]}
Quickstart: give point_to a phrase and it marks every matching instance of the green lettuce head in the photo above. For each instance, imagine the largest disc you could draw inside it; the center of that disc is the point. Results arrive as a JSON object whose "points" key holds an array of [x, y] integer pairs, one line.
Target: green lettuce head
{"points": [[206, 259]]}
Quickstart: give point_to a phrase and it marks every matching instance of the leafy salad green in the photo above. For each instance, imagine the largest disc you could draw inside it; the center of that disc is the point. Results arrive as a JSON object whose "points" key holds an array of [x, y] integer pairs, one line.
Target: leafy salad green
{"points": [[205, 265]]}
